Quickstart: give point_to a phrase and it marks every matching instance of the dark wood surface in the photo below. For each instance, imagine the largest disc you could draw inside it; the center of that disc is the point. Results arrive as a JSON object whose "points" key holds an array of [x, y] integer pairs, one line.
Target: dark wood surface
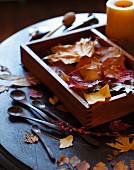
{"points": [[12, 131]]}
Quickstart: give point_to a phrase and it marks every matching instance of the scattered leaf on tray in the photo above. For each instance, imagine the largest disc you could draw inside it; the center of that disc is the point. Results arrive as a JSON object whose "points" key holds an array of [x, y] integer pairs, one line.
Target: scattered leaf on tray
{"points": [[4, 69], [123, 144], [118, 125], [99, 96], [100, 166], [3, 88], [83, 165], [30, 138], [35, 94], [120, 166], [66, 142]]}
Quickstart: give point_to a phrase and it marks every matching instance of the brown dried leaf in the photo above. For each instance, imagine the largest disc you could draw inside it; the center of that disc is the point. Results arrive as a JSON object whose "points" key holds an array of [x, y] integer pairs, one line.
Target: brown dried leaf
{"points": [[20, 81], [69, 54], [30, 138], [123, 144], [100, 166], [66, 142], [25, 82], [120, 166], [83, 165], [74, 161], [3, 88], [99, 96], [63, 160], [35, 94]]}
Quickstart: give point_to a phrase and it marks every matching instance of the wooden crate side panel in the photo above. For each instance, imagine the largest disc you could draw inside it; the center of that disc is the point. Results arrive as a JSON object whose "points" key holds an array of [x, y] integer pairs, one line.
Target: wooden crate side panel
{"points": [[112, 110]]}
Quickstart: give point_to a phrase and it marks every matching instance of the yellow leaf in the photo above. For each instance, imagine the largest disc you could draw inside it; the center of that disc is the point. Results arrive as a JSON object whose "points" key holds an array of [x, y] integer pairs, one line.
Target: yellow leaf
{"points": [[123, 144], [53, 100], [99, 96], [105, 91], [120, 166], [69, 54], [66, 142], [100, 166], [89, 68]]}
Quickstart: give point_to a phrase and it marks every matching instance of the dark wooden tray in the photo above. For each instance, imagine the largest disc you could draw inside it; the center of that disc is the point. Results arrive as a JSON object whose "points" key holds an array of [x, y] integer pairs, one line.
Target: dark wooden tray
{"points": [[90, 116]]}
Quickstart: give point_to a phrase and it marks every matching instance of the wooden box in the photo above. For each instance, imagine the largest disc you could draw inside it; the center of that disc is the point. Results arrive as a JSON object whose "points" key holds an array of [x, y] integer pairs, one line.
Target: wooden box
{"points": [[90, 116]]}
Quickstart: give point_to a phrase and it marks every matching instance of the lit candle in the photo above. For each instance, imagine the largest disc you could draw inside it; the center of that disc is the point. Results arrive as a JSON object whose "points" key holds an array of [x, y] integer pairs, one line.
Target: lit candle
{"points": [[120, 19]]}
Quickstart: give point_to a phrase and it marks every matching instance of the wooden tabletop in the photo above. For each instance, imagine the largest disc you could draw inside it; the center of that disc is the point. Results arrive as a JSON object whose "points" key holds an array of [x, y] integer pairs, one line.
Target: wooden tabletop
{"points": [[12, 131]]}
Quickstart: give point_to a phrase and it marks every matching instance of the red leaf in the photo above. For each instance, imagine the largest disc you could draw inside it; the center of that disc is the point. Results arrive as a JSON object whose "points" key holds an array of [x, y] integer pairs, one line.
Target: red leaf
{"points": [[35, 93], [83, 165], [60, 67], [114, 68]]}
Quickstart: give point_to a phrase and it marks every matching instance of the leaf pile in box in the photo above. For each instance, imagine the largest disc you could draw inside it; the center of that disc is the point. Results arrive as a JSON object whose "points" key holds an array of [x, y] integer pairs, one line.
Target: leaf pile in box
{"points": [[89, 68]]}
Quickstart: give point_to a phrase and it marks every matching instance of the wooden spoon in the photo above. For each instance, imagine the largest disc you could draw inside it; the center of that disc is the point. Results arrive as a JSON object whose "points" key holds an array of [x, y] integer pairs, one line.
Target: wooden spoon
{"points": [[67, 21]]}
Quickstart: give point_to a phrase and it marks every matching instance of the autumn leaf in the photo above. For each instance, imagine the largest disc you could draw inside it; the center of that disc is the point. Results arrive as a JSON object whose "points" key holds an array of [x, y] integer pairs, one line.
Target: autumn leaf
{"points": [[100, 166], [16, 80], [108, 52], [99, 96], [30, 138], [123, 144], [63, 160], [83, 165], [3, 88], [89, 68], [69, 54], [66, 142], [114, 68], [79, 83], [53, 100], [120, 166], [35, 94]]}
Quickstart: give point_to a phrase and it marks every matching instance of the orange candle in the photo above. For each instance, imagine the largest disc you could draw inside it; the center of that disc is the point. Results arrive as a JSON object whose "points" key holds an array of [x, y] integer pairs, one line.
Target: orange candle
{"points": [[120, 19]]}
